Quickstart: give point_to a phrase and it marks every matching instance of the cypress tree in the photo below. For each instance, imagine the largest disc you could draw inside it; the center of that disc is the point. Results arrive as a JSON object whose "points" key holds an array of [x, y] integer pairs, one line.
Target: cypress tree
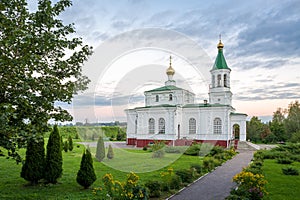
{"points": [[100, 152], [110, 153], [86, 175], [66, 146], [33, 168], [61, 143], [70, 143], [53, 167]]}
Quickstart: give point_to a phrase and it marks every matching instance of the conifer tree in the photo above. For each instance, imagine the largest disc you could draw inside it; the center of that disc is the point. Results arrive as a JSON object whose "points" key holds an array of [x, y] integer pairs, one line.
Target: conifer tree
{"points": [[33, 168], [86, 175], [53, 167], [61, 143], [66, 146], [100, 152], [110, 153], [70, 143]]}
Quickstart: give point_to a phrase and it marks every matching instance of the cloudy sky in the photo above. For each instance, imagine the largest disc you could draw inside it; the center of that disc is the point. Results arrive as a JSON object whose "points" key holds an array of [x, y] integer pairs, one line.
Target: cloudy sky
{"points": [[133, 39]]}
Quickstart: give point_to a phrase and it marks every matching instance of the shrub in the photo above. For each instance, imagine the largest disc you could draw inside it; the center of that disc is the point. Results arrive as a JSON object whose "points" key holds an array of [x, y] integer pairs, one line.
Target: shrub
{"points": [[66, 146], [205, 149], [145, 148], [114, 189], [33, 168], [290, 171], [70, 140], [157, 149], [110, 152], [100, 151], [216, 150], [185, 175], [53, 165], [193, 150], [154, 188], [171, 149], [209, 163], [284, 161], [86, 175], [197, 167]]}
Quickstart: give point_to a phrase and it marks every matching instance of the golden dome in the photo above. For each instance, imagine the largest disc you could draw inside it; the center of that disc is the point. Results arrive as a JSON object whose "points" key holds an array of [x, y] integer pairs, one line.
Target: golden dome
{"points": [[220, 45], [170, 70]]}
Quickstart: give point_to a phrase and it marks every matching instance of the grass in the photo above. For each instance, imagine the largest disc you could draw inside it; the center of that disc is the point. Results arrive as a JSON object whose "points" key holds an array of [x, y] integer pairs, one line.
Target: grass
{"points": [[281, 186], [12, 186]]}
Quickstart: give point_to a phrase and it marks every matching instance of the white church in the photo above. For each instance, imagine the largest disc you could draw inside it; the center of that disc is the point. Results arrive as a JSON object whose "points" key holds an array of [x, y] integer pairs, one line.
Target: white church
{"points": [[170, 113]]}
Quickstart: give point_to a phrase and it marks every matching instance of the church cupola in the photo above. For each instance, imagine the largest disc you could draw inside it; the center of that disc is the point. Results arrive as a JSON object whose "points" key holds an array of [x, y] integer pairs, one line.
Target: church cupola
{"points": [[170, 73], [220, 79]]}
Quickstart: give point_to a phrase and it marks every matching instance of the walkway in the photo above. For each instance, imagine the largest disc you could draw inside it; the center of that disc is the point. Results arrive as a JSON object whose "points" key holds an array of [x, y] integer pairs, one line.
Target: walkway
{"points": [[217, 184]]}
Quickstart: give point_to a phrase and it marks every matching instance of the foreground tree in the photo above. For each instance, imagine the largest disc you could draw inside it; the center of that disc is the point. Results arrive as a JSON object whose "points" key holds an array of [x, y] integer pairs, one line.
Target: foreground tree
{"points": [[53, 167], [100, 151], [86, 175], [35, 70], [292, 121], [33, 168]]}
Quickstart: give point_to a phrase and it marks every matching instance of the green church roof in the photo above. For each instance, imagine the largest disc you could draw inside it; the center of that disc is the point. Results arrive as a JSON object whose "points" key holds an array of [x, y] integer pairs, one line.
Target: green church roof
{"points": [[220, 62], [165, 88]]}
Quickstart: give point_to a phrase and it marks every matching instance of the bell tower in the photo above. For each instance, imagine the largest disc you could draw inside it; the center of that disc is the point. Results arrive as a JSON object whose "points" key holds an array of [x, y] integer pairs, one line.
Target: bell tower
{"points": [[219, 91]]}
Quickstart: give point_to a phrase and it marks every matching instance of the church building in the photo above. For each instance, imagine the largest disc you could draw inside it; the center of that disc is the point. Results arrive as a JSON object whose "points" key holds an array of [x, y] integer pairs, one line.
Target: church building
{"points": [[171, 114]]}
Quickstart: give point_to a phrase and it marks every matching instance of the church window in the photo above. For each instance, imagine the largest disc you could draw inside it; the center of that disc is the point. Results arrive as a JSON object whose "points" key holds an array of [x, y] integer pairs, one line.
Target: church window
{"points": [[192, 126], [170, 97], [161, 126], [213, 81], [151, 126], [225, 80], [219, 80], [217, 126], [157, 98]]}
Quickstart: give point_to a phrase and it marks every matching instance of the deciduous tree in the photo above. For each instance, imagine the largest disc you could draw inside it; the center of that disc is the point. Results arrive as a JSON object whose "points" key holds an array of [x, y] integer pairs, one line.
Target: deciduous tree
{"points": [[41, 63]]}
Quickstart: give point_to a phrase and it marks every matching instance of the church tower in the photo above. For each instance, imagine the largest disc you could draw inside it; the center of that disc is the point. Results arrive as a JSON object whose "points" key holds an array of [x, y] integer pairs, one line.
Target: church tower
{"points": [[219, 91]]}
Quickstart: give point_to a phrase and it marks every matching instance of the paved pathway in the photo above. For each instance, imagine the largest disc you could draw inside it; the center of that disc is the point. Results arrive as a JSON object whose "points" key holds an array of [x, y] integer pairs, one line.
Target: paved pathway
{"points": [[217, 184]]}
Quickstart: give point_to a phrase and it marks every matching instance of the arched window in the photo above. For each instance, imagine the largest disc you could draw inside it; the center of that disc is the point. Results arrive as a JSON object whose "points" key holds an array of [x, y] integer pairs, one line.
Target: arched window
{"points": [[161, 126], [192, 126], [217, 126], [157, 98], [151, 126], [219, 80], [170, 97], [213, 81], [225, 80]]}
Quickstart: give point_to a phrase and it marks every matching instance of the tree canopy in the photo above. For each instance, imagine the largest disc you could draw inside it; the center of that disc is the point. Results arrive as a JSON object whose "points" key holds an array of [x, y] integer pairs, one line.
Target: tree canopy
{"points": [[41, 63]]}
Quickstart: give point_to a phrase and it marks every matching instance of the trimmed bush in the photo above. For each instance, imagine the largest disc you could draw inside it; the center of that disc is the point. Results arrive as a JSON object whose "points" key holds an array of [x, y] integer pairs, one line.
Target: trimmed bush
{"points": [[86, 175], [66, 146], [33, 168], [290, 171], [175, 149], [110, 152], [70, 140], [100, 151], [145, 148], [53, 165], [154, 188]]}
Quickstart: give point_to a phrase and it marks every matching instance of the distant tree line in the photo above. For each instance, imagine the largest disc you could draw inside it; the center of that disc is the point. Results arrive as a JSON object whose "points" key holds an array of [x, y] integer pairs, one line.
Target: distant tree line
{"points": [[284, 127]]}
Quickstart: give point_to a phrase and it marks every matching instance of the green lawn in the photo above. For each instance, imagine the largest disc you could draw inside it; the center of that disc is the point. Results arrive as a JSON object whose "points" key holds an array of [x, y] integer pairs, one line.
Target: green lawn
{"points": [[280, 186], [12, 186]]}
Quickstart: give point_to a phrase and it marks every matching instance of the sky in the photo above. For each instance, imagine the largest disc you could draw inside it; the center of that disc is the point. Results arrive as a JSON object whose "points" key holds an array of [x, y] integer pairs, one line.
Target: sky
{"points": [[133, 39]]}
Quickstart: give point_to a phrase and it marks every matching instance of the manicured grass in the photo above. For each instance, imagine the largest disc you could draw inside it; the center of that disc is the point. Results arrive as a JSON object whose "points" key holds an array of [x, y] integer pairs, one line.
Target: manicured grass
{"points": [[12, 186], [281, 186]]}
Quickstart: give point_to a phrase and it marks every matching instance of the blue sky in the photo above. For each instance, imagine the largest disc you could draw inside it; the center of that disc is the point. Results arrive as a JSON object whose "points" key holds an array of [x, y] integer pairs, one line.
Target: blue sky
{"points": [[261, 45]]}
